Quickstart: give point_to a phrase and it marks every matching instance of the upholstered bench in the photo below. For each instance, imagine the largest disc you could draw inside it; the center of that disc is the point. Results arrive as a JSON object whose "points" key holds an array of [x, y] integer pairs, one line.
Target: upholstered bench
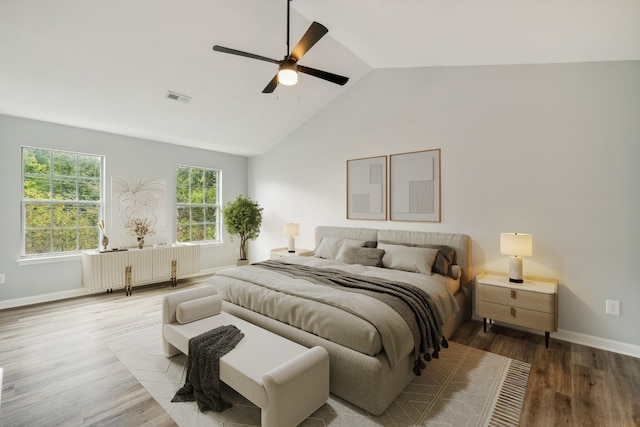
{"points": [[286, 380]]}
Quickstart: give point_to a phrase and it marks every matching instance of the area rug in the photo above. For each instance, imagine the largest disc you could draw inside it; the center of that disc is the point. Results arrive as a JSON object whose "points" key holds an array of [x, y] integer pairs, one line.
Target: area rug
{"points": [[464, 387]]}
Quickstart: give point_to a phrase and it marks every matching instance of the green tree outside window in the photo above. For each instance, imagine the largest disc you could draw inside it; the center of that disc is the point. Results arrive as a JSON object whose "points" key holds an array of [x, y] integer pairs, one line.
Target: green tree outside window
{"points": [[61, 201], [197, 204]]}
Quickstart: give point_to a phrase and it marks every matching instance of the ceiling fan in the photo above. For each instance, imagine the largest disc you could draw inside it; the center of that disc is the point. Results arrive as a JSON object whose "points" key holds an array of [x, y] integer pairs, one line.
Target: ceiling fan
{"points": [[288, 68]]}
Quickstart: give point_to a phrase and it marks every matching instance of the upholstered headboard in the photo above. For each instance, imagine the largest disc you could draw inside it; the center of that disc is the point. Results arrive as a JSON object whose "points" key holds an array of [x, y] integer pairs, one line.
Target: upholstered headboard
{"points": [[346, 233], [460, 242]]}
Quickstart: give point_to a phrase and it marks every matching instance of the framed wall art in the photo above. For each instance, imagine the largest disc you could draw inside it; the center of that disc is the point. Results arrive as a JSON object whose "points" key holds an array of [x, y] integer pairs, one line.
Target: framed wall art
{"points": [[414, 186], [367, 188]]}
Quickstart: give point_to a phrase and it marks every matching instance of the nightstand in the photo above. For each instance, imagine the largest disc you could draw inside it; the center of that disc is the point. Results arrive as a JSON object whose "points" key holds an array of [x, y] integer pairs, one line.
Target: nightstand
{"points": [[532, 304], [278, 253]]}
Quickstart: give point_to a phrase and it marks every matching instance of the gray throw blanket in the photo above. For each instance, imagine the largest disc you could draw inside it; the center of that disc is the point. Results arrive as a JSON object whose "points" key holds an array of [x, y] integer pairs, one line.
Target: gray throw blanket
{"points": [[413, 304], [203, 368]]}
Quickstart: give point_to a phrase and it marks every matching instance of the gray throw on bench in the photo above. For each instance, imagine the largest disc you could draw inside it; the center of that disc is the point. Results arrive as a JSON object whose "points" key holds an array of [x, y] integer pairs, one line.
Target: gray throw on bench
{"points": [[202, 383]]}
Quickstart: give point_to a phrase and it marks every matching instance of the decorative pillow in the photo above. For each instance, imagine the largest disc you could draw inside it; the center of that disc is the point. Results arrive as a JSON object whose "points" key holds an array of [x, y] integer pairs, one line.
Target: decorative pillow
{"points": [[360, 255], [348, 243], [408, 258], [196, 309], [455, 272], [444, 260], [328, 248]]}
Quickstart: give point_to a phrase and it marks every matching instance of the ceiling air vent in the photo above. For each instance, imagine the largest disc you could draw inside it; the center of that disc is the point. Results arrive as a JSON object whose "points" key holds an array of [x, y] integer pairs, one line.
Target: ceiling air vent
{"points": [[178, 97]]}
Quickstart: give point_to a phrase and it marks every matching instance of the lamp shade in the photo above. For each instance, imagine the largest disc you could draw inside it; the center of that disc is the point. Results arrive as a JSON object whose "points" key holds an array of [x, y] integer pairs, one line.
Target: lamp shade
{"points": [[288, 74], [516, 244], [292, 229]]}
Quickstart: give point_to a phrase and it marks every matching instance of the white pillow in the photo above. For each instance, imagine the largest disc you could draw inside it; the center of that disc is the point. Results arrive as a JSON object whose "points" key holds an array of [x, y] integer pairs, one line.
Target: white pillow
{"points": [[328, 248], [196, 309], [408, 258]]}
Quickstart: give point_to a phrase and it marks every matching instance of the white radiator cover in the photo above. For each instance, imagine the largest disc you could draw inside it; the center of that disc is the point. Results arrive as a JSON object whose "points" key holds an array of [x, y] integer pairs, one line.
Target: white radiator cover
{"points": [[107, 270]]}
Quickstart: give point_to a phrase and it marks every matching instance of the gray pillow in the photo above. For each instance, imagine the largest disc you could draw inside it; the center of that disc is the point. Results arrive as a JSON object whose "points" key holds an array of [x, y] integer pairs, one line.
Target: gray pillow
{"points": [[444, 259], [359, 255]]}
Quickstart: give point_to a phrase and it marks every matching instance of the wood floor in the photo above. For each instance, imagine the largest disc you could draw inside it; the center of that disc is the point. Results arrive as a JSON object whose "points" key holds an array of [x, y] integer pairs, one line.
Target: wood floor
{"points": [[58, 371]]}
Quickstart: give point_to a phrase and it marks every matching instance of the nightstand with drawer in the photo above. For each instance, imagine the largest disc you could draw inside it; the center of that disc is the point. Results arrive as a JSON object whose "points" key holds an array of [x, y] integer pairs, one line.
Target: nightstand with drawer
{"points": [[532, 304]]}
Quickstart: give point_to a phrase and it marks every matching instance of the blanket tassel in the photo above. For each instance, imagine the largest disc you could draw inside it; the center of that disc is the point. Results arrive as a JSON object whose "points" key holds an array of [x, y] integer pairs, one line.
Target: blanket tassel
{"points": [[444, 344], [416, 369], [421, 363]]}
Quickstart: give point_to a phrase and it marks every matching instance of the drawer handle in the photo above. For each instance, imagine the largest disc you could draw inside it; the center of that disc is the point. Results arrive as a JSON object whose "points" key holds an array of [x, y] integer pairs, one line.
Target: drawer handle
{"points": [[513, 294], [513, 312]]}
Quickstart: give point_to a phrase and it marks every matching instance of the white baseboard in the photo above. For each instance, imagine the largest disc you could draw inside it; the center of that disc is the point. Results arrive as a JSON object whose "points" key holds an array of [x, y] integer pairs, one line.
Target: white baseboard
{"points": [[597, 342], [56, 296], [37, 299], [583, 339]]}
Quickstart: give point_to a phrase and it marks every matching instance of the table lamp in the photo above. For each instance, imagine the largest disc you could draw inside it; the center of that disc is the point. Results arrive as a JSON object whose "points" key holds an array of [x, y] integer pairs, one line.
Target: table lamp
{"points": [[292, 230], [516, 245]]}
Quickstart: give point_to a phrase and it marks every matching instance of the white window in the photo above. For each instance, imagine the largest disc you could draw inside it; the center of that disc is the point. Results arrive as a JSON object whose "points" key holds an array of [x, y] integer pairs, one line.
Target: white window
{"points": [[198, 206], [62, 201]]}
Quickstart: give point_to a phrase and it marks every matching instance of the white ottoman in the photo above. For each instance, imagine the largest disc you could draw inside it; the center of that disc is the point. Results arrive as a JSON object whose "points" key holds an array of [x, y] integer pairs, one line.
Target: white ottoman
{"points": [[286, 380]]}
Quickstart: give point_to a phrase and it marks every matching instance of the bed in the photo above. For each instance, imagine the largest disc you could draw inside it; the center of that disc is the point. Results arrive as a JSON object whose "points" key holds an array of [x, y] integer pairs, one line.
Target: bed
{"points": [[372, 348]]}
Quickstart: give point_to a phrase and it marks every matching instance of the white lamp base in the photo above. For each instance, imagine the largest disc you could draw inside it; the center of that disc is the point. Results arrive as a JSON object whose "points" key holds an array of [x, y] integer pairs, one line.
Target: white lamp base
{"points": [[292, 244], [515, 270]]}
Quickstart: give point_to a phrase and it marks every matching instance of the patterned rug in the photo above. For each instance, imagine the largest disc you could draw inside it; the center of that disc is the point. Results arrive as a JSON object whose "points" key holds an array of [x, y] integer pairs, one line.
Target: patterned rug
{"points": [[464, 387]]}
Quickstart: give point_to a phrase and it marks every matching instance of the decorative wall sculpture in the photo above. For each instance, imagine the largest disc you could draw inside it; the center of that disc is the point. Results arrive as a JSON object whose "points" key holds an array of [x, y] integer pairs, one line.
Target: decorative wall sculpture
{"points": [[139, 198]]}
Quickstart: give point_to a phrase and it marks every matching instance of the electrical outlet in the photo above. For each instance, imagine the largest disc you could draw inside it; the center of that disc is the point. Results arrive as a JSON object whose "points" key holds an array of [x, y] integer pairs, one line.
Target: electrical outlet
{"points": [[613, 307], [1, 278]]}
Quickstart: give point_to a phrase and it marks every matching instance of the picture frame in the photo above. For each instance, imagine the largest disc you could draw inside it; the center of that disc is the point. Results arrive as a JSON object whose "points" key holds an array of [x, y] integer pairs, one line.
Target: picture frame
{"points": [[367, 188], [414, 186]]}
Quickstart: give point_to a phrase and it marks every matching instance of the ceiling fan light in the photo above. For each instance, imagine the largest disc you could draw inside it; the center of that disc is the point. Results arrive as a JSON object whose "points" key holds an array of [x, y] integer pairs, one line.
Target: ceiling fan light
{"points": [[287, 75]]}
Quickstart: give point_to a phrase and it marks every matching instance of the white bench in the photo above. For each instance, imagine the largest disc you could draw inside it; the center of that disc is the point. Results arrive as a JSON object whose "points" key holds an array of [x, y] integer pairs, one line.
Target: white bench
{"points": [[286, 380]]}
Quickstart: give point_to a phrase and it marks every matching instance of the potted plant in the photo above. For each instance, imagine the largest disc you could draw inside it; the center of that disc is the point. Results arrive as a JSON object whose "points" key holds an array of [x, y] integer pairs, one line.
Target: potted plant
{"points": [[243, 218]]}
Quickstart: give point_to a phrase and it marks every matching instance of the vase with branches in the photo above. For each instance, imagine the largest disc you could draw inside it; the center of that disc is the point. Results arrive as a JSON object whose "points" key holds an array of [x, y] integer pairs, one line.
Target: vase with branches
{"points": [[139, 228]]}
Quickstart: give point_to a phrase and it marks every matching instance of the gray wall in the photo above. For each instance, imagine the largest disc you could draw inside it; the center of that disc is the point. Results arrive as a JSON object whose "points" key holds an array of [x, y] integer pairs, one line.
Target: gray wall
{"points": [[124, 157], [552, 150]]}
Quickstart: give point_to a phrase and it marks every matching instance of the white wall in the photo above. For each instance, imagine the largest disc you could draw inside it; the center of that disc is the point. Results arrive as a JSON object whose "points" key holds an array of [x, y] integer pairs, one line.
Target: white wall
{"points": [[552, 150], [124, 157]]}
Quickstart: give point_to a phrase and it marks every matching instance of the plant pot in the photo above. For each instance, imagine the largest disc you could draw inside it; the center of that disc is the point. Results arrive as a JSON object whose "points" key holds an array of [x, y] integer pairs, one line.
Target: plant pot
{"points": [[140, 242], [242, 262]]}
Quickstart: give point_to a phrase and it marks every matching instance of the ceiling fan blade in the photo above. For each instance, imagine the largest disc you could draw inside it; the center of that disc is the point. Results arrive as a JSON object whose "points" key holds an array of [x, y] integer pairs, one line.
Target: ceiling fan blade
{"points": [[315, 32], [272, 85], [245, 54], [333, 78]]}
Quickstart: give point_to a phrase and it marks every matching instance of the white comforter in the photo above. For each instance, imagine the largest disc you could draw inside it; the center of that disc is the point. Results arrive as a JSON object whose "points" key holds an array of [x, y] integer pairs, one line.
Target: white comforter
{"points": [[350, 319]]}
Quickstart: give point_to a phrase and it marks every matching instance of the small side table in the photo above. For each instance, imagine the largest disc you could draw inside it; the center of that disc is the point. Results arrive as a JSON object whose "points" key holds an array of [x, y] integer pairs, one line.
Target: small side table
{"points": [[532, 304], [278, 253]]}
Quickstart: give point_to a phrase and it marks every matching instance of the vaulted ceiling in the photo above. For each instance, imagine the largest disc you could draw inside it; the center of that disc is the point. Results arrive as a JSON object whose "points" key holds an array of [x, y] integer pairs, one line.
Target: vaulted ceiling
{"points": [[108, 65]]}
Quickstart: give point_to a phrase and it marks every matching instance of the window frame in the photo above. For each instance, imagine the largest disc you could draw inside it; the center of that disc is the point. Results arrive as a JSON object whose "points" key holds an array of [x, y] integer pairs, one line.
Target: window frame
{"points": [[217, 206], [53, 202]]}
